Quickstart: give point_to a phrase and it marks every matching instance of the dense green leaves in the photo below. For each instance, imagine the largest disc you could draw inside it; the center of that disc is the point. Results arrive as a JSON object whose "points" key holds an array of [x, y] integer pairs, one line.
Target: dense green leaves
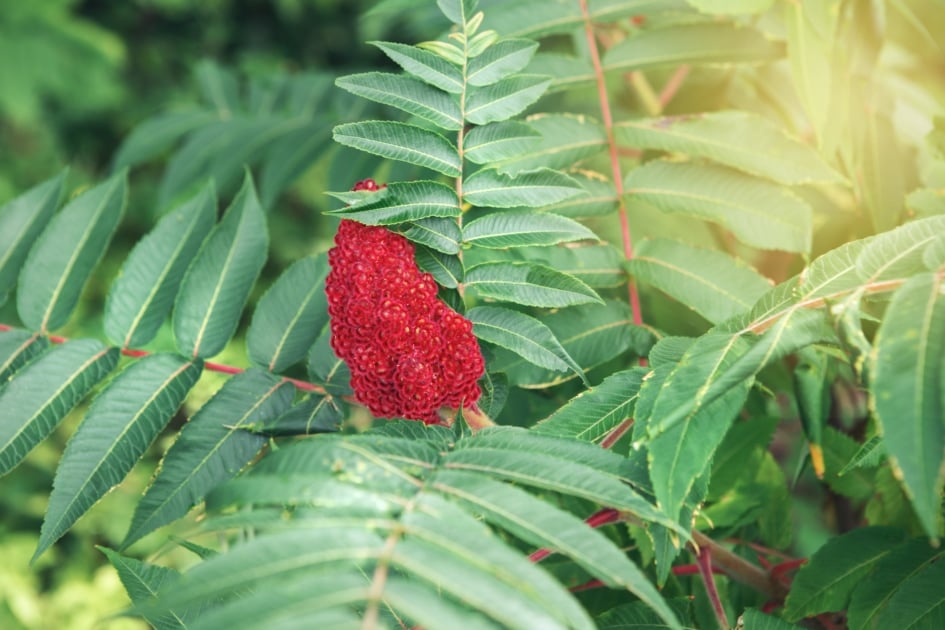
{"points": [[42, 393], [289, 316], [121, 424], [218, 282], [21, 221], [142, 296], [211, 448], [906, 381], [62, 260]]}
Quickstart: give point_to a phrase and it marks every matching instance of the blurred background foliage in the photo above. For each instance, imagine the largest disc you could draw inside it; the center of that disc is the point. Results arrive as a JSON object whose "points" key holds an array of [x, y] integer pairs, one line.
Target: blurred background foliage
{"points": [[76, 78]]}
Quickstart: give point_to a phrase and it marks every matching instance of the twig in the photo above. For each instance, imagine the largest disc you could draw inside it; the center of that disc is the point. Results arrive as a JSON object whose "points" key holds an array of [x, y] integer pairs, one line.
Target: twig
{"points": [[704, 563]]}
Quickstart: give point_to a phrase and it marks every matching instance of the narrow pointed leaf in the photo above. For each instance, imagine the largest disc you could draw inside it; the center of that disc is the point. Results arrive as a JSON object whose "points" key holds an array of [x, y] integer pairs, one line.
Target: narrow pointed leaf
{"points": [[899, 252], [732, 138], [919, 603], [522, 229], [21, 221], [119, 427], [498, 141], [158, 134], [409, 201], [706, 43], [143, 582], [142, 296], [505, 99], [17, 348], [565, 140], [440, 234], [709, 282], [905, 383], [289, 316], [458, 11], [400, 141], [43, 392], [492, 189], [67, 251], [547, 526], [447, 270], [568, 72], [424, 65], [528, 284], [407, 94], [522, 334], [592, 414], [538, 18], [503, 58], [598, 266], [211, 448], [315, 414], [825, 583], [758, 212], [218, 282]]}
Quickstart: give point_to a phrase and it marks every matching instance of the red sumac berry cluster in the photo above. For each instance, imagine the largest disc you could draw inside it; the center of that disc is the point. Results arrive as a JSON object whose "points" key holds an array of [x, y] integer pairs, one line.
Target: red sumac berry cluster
{"points": [[408, 352]]}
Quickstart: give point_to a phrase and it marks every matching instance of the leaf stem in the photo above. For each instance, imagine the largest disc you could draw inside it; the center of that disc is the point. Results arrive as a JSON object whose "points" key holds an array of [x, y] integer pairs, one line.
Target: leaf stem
{"points": [[704, 563], [614, 157]]}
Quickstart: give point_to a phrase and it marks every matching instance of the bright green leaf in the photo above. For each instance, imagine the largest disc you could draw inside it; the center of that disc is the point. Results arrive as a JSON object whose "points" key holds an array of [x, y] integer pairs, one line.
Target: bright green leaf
{"points": [[498, 141], [400, 141], [442, 235], [522, 229], [505, 99], [17, 348], [402, 202], [527, 284], [503, 58], [564, 141], [424, 65], [492, 189], [405, 93]]}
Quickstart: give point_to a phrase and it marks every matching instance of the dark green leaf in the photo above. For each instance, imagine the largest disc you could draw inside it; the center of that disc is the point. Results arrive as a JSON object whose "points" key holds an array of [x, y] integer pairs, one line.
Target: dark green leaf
{"points": [[522, 229], [400, 141], [62, 260], [442, 235], [42, 393], [17, 348], [408, 94], [528, 284], [289, 316], [143, 581], [218, 282], [424, 65], [402, 202]]}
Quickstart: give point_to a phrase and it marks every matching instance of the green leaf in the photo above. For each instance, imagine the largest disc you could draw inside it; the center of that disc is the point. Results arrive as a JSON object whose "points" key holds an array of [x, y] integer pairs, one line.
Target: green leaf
{"points": [[503, 58], [62, 260], [592, 414], [538, 18], [753, 619], [681, 450], [42, 393], [732, 138], [327, 369], [522, 334], [868, 456], [811, 37], [424, 65], [705, 43], [210, 449], [900, 252], [289, 316], [402, 202], [758, 212], [733, 7], [528, 284], [505, 99], [919, 603], [447, 50], [219, 280], [600, 198], [709, 282], [904, 571], [824, 584], [21, 221], [442, 235], [906, 376], [143, 581], [446, 269], [522, 229], [555, 529], [598, 266], [17, 348], [458, 11], [158, 134], [142, 296], [400, 141], [315, 414], [407, 94], [121, 424], [568, 72], [489, 188], [498, 141], [564, 141], [591, 334]]}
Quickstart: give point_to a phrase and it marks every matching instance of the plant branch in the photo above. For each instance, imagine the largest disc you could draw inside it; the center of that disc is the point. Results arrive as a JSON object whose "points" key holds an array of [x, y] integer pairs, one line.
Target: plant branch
{"points": [[608, 122], [704, 564], [739, 569]]}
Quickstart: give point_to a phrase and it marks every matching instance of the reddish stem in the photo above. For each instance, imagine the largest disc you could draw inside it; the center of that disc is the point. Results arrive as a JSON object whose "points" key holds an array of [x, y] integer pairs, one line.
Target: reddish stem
{"points": [[704, 563], [672, 86], [597, 519], [608, 121]]}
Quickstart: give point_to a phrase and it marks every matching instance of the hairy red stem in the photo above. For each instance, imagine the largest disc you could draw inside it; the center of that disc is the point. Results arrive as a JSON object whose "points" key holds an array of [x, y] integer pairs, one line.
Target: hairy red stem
{"points": [[704, 564]]}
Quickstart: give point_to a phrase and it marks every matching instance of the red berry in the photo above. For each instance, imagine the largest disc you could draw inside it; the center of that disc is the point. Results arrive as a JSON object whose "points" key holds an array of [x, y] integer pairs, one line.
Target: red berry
{"points": [[408, 352]]}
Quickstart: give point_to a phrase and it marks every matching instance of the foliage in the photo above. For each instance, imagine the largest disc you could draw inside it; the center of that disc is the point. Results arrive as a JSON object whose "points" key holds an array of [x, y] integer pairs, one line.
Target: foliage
{"points": [[785, 185]]}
